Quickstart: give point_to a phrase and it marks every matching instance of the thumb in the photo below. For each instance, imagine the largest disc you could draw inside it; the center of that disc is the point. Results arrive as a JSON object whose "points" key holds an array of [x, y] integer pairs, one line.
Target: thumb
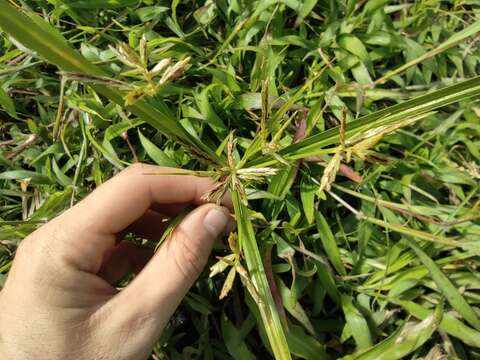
{"points": [[158, 289]]}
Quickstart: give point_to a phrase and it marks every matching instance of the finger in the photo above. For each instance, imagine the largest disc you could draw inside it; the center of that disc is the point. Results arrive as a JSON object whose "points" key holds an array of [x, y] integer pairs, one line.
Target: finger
{"points": [[165, 280], [174, 209], [124, 198], [126, 257], [85, 232]]}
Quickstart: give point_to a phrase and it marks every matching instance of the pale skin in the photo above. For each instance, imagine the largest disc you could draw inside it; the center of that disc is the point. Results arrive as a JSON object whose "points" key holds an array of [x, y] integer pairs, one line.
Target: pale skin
{"points": [[59, 300]]}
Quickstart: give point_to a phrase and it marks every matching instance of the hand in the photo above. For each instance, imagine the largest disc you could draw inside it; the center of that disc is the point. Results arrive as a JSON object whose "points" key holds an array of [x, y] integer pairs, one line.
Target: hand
{"points": [[58, 301]]}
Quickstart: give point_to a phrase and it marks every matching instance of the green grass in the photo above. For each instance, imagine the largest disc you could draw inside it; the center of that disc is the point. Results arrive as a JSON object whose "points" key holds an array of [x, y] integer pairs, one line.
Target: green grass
{"points": [[347, 131]]}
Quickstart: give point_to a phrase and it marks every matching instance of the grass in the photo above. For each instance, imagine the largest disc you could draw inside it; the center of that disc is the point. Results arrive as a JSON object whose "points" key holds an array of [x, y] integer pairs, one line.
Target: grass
{"points": [[348, 133]]}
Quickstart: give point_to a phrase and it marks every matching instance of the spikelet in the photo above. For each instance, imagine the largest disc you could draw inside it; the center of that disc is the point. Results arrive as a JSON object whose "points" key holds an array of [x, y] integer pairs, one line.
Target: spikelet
{"points": [[330, 172], [175, 71], [361, 144], [160, 67]]}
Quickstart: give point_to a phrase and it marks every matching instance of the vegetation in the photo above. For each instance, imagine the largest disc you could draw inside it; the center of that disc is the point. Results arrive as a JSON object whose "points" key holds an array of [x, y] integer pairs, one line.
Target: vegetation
{"points": [[347, 131]]}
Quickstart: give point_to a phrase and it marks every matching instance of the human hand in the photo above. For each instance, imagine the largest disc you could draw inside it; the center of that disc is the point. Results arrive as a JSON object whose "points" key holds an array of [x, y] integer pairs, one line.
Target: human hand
{"points": [[58, 301]]}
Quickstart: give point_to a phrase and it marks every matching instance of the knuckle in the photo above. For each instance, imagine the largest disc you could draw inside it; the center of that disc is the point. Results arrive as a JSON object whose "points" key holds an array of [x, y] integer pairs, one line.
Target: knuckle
{"points": [[43, 249]]}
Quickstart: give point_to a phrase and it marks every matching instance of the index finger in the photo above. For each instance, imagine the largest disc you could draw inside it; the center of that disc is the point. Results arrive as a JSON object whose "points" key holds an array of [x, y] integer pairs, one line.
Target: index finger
{"points": [[119, 202], [124, 198]]}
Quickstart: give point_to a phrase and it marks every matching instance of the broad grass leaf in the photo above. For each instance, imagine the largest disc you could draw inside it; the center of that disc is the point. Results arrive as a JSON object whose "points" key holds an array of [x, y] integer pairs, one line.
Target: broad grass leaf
{"points": [[118, 129], [329, 243], [279, 186], [32, 176], [209, 114], [305, 346], [373, 5], [155, 153], [63, 179], [55, 203], [151, 13], [352, 44], [291, 304], [237, 348], [307, 195], [7, 103], [327, 281], [198, 303], [111, 157], [93, 4], [357, 325]]}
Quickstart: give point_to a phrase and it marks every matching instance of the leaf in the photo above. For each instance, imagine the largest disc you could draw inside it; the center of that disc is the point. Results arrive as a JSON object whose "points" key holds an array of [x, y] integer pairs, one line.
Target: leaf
{"points": [[356, 323], [233, 340], [63, 179], [306, 8], [293, 306], [112, 158], [149, 13], [267, 308], [34, 177], [94, 4], [208, 112], [205, 14], [373, 5], [118, 129], [279, 186], [7, 103], [329, 243], [155, 153], [172, 225], [55, 203], [353, 45], [304, 345], [307, 195]]}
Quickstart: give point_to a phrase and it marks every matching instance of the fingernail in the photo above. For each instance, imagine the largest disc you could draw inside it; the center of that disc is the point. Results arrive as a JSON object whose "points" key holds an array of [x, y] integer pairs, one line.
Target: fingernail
{"points": [[216, 221]]}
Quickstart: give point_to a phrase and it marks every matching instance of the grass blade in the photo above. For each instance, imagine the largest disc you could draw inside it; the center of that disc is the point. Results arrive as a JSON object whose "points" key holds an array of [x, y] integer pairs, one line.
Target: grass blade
{"points": [[329, 243], [315, 144], [267, 308], [356, 323]]}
